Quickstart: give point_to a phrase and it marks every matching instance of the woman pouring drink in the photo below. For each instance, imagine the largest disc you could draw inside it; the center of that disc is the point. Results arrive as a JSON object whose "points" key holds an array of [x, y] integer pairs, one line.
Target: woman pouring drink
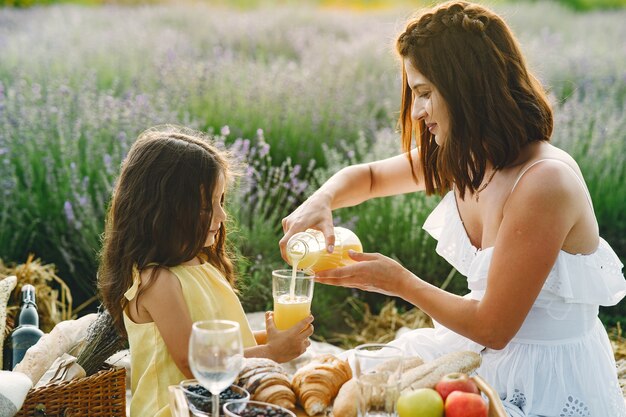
{"points": [[516, 219]]}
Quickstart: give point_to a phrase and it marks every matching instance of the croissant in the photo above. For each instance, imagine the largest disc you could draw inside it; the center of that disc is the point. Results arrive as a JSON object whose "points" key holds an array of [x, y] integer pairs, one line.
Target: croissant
{"points": [[267, 381], [317, 383]]}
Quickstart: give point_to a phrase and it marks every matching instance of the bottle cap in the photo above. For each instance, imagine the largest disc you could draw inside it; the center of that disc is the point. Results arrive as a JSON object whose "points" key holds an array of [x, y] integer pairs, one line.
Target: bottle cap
{"points": [[28, 294]]}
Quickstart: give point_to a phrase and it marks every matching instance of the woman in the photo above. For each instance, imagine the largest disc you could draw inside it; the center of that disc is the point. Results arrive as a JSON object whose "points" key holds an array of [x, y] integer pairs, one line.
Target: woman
{"points": [[516, 219]]}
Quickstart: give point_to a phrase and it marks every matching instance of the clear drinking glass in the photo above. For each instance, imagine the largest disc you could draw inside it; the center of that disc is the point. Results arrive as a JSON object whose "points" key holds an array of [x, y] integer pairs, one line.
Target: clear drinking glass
{"points": [[293, 293], [215, 356], [378, 371]]}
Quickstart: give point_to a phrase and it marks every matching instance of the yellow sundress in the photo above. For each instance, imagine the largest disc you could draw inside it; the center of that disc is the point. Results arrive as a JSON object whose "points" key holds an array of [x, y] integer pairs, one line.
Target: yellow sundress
{"points": [[208, 296]]}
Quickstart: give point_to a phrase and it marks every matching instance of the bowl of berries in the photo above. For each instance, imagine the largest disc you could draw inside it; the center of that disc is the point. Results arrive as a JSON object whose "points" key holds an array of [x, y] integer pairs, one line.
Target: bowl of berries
{"points": [[255, 409], [199, 398]]}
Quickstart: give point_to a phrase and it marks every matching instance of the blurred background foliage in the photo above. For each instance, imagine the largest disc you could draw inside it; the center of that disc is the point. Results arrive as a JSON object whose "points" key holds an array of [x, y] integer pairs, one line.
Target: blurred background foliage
{"points": [[295, 92], [581, 5]]}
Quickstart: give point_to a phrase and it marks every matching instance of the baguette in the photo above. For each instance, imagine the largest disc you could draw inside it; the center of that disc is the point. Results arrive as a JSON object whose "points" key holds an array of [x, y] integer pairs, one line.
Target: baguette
{"points": [[407, 363], [428, 374]]}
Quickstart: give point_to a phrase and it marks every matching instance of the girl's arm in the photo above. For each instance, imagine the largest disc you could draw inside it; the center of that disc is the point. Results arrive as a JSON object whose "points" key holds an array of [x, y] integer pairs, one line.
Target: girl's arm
{"points": [[537, 219], [164, 304], [163, 301], [282, 346], [351, 186]]}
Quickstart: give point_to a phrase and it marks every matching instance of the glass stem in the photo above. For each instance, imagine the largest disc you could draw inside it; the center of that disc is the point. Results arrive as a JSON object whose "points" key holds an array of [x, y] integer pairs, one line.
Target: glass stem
{"points": [[216, 405]]}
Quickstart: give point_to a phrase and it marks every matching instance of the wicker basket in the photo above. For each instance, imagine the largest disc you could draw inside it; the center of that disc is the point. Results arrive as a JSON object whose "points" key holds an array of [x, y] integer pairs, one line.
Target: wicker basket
{"points": [[102, 394], [496, 409]]}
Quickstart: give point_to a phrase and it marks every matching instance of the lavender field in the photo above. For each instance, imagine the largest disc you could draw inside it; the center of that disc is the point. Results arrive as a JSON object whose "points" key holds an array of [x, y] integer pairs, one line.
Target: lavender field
{"points": [[295, 92]]}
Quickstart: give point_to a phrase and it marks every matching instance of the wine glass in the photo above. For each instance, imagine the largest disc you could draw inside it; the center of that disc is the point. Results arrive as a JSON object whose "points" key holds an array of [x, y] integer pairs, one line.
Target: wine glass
{"points": [[215, 356]]}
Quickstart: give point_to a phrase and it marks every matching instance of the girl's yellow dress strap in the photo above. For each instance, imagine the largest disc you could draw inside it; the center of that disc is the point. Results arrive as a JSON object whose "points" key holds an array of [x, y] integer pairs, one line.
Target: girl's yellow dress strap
{"points": [[132, 291]]}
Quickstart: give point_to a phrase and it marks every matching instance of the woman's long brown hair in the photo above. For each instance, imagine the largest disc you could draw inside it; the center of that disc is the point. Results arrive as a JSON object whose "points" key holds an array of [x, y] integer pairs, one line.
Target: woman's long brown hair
{"points": [[496, 105], [160, 212]]}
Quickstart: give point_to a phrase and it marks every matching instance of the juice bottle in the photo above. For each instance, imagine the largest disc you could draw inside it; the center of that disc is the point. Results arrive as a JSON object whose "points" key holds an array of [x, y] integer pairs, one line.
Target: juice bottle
{"points": [[27, 333], [307, 250]]}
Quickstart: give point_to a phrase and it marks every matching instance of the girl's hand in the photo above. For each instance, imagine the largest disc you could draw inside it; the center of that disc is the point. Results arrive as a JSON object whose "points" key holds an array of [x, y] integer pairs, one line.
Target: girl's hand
{"points": [[285, 345], [373, 272], [314, 213]]}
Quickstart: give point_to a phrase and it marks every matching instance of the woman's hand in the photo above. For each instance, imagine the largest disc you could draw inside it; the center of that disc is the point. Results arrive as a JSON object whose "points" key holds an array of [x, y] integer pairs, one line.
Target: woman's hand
{"points": [[373, 272], [285, 345], [315, 213]]}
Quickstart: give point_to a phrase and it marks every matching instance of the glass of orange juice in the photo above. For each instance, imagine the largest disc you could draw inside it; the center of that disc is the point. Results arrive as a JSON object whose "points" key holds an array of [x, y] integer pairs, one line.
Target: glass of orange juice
{"points": [[293, 292]]}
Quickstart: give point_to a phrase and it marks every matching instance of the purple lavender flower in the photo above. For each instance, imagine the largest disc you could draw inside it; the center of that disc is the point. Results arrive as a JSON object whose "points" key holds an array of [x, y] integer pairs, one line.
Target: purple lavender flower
{"points": [[245, 146], [82, 200], [107, 161], [69, 212], [264, 149]]}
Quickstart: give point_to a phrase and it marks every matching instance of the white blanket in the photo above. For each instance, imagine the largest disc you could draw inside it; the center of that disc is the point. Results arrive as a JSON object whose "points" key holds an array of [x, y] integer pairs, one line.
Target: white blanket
{"points": [[13, 389]]}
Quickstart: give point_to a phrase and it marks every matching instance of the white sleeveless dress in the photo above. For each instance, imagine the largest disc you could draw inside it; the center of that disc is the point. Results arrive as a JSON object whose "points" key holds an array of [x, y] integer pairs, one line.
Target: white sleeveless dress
{"points": [[560, 363]]}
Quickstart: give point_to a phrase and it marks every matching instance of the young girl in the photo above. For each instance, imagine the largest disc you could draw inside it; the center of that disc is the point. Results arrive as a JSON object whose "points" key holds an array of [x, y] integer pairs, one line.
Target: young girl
{"points": [[165, 265], [516, 219]]}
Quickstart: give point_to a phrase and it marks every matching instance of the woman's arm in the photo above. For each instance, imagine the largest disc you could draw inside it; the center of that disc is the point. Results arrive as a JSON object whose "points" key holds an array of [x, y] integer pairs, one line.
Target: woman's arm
{"points": [[351, 186], [536, 220]]}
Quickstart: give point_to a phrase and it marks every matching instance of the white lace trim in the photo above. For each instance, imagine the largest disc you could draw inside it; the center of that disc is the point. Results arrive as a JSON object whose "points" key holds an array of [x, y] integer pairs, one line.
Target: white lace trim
{"points": [[572, 406]]}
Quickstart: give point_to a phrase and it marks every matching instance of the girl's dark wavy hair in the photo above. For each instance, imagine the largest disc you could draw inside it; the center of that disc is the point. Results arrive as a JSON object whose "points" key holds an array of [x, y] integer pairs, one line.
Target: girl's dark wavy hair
{"points": [[496, 105], [161, 211]]}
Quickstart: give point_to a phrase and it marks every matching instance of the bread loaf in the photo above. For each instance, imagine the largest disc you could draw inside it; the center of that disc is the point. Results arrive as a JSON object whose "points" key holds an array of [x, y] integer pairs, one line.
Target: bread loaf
{"points": [[267, 381], [428, 374], [316, 384], [345, 403]]}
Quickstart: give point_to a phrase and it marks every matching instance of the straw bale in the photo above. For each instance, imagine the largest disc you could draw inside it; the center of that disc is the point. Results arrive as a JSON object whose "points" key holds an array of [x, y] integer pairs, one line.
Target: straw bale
{"points": [[54, 298]]}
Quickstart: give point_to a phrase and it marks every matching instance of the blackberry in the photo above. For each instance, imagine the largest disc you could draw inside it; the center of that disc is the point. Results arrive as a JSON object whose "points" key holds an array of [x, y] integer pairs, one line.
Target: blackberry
{"points": [[200, 397]]}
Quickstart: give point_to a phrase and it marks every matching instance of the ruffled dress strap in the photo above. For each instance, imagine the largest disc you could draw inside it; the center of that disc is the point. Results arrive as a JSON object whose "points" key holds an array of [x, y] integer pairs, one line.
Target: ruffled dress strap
{"points": [[131, 293], [445, 225]]}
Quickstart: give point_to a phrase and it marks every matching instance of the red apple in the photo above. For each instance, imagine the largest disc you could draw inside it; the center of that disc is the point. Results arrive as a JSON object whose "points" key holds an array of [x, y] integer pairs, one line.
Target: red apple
{"points": [[455, 382], [465, 404]]}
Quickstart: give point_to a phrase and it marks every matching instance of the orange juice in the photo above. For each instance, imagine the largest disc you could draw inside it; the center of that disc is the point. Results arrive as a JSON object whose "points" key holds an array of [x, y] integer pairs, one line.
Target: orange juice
{"points": [[307, 250], [322, 260], [293, 292], [289, 311]]}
